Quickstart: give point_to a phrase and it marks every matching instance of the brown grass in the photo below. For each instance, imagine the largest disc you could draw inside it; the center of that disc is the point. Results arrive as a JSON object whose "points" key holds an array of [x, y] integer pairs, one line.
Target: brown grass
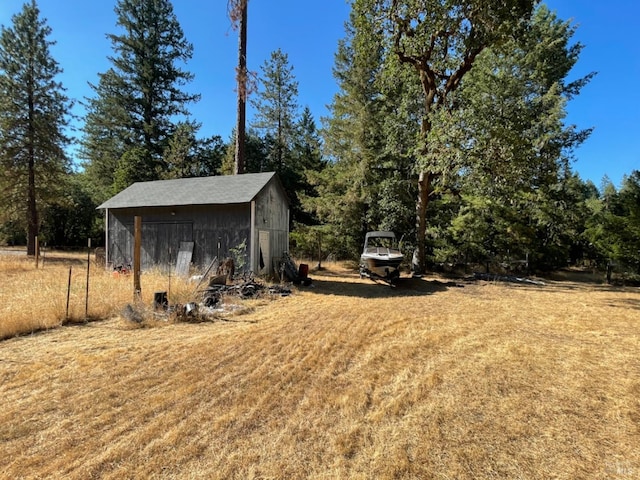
{"points": [[346, 379], [34, 299]]}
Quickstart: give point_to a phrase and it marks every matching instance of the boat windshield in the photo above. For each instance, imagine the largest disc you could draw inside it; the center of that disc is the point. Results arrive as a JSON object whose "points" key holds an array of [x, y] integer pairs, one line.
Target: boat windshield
{"points": [[381, 242]]}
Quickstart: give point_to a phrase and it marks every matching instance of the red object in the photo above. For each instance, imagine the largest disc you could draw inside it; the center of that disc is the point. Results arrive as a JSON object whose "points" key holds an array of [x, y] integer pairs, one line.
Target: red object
{"points": [[303, 271]]}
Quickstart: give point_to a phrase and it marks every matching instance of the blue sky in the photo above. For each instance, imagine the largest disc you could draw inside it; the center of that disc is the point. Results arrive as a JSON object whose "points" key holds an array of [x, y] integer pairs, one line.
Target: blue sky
{"points": [[308, 31]]}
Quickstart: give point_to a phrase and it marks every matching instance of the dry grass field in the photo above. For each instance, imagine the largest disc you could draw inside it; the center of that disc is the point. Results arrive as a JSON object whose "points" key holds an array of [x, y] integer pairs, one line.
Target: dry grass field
{"points": [[33, 299], [343, 380]]}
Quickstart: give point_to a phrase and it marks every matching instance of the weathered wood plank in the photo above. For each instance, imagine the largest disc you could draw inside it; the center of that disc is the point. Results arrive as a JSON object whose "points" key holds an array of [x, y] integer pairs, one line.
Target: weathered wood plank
{"points": [[184, 258]]}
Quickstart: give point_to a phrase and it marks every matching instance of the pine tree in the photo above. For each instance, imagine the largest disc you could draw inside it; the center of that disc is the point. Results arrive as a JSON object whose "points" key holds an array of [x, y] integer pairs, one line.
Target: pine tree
{"points": [[509, 141], [614, 226], [368, 139], [307, 161], [34, 112], [139, 97], [276, 118], [352, 137], [276, 106]]}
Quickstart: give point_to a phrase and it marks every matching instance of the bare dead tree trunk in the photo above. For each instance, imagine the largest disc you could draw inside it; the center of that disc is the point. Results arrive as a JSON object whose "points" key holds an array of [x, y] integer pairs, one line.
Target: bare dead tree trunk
{"points": [[241, 76]]}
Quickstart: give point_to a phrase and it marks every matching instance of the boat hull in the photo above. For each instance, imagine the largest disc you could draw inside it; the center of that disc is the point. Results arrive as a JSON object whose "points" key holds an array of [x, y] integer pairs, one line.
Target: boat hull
{"points": [[384, 266], [381, 257]]}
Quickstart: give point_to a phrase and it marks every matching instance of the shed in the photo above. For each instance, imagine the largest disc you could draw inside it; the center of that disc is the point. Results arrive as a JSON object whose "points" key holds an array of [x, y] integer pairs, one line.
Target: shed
{"points": [[217, 214]]}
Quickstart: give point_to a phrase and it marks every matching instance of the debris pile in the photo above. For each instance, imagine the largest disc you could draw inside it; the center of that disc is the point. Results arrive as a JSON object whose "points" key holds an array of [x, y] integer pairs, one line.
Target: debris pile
{"points": [[212, 295], [288, 270], [505, 278], [210, 302]]}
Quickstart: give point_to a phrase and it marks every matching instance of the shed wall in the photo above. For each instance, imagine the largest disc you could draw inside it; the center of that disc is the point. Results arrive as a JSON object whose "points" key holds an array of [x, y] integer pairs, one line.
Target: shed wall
{"points": [[272, 223], [214, 229]]}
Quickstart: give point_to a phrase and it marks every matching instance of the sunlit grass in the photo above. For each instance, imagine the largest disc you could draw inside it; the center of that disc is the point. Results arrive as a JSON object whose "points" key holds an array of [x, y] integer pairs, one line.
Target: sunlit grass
{"points": [[33, 299], [344, 379]]}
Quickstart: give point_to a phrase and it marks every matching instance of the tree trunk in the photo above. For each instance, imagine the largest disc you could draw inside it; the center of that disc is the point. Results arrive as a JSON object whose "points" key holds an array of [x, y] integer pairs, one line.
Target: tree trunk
{"points": [[424, 190], [32, 211], [424, 178], [242, 90]]}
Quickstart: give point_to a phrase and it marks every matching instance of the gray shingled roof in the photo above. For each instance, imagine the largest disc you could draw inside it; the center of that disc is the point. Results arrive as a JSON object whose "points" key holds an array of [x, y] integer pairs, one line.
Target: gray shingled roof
{"points": [[220, 190]]}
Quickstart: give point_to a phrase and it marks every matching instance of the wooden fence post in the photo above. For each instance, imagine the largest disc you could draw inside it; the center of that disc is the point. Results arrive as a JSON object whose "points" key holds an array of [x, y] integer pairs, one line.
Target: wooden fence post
{"points": [[137, 242], [86, 300]]}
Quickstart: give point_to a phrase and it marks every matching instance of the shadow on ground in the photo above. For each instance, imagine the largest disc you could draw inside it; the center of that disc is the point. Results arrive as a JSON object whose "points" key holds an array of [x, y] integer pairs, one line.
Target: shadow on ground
{"points": [[343, 285]]}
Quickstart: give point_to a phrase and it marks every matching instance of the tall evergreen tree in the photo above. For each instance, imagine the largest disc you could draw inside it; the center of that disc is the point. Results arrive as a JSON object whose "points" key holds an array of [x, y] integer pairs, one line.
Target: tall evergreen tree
{"points": [[368, 139], [307, 160], [352, 136], [508, 139], [614, 226], [139, 97], [34, 112], [276, 106], [277, 117], [629, 238]]}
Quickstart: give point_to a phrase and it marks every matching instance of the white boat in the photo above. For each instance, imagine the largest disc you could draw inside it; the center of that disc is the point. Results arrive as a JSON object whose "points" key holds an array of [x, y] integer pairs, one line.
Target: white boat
{"points": [[381, 257]]}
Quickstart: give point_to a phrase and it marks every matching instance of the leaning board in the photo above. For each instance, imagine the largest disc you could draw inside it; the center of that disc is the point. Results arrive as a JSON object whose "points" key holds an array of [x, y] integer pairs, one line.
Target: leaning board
{"points": [[184, 258]]}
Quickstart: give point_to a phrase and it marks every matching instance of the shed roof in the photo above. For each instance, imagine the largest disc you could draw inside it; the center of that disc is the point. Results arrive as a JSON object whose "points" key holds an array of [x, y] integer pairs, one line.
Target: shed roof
{"points": [[218, 190]]}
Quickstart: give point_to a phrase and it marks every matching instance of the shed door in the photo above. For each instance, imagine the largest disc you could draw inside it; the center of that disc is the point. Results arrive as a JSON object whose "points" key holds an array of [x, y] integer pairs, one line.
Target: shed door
{"points": [[264, 253]]}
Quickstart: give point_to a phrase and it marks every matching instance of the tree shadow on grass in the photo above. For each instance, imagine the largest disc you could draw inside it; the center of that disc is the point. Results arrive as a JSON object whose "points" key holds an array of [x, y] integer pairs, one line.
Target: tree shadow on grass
{"points": [[343, 285], [627, 303]]}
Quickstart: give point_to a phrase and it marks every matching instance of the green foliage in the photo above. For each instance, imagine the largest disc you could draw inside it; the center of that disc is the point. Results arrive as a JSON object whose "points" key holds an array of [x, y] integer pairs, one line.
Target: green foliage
{"points": [[34, 113], [513, 107], [511, 149], [614, 226], [316, 242], [369, 140], [187, 156], [308, 159], [256, 154], [132, 167], [290, 140], [12, 233], [490, 141], [130, 121], [239, 255], [73, 218], [276, 104]]}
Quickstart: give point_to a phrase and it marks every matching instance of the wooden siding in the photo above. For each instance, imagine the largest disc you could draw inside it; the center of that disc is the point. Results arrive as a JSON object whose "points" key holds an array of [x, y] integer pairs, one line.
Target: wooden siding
{"points": [[272, 216], [215, 229]]}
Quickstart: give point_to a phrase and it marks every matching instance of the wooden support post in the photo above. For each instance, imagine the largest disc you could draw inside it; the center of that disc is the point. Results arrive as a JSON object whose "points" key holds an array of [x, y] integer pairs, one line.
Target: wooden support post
{"points": [[37, 252], [66, 315], [86, 298], [319, 250], [169, 289], [137, 243]]}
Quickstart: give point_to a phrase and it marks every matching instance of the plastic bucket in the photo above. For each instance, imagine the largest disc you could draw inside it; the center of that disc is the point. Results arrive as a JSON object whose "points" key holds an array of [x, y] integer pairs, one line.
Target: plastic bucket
{"points": [[303, 271]]}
